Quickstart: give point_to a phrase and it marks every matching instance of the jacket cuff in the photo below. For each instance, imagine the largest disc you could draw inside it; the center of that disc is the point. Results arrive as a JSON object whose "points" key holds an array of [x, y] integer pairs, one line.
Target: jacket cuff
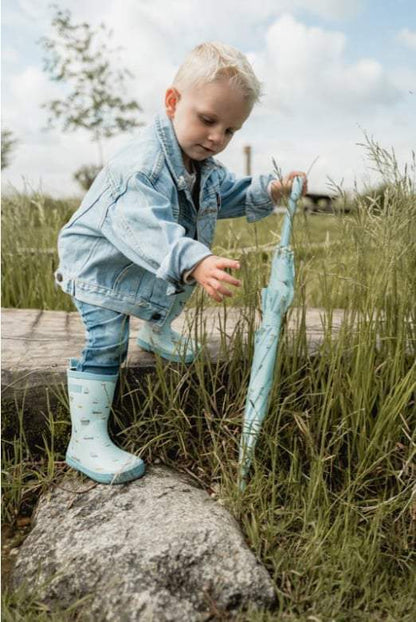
{"points": [[187, 278], [259, 203], [182, 258]]}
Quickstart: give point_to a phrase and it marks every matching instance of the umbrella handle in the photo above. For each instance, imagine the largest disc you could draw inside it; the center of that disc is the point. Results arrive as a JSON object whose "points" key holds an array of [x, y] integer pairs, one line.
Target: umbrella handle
{"points": [[297, 187]]}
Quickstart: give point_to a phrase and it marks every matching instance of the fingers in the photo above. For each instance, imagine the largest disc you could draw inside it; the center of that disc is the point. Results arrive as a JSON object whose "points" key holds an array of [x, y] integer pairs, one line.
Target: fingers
{"points": [[211, 273], [289, 180], [217, 289], [224, 262], [218, 292], [220, 275], [296, 174], [282, 188]]}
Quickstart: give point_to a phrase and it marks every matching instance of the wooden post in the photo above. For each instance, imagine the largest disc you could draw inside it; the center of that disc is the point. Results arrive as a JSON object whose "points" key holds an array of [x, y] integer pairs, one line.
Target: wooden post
{"points": [[247, 153]]}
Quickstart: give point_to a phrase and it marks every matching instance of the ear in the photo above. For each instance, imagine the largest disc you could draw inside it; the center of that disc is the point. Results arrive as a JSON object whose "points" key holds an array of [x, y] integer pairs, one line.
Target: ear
{"points": [[172, 97]]}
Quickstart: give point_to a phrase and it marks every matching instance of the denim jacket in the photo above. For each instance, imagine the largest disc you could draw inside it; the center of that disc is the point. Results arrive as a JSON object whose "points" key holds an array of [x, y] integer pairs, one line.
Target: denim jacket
{"points": [[138, 231]]}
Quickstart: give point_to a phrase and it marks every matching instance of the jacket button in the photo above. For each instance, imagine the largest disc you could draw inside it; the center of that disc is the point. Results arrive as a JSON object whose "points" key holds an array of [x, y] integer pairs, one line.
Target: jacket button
{"points": [[59, 277], [156, 316]]}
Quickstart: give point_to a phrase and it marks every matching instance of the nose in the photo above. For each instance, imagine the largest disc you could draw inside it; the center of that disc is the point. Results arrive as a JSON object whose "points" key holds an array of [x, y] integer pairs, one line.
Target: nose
{"points": [[216, 137]]}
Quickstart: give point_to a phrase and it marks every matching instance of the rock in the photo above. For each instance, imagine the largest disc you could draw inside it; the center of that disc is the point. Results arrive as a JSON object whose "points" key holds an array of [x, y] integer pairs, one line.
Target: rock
{"points": [[157, 549]]}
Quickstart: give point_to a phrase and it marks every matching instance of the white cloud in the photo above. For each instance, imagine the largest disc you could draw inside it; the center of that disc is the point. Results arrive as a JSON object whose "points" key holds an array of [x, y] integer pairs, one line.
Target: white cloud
{"points": [[407, 37], [306, 67], [331, 9], [22, 100], [316, 98], [405, 80], [184, 23], [9, 55]]}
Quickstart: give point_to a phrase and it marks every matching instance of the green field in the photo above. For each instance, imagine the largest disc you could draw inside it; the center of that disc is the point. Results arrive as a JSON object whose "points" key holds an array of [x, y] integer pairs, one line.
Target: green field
{"points": [[330, 509], [325, 251]]}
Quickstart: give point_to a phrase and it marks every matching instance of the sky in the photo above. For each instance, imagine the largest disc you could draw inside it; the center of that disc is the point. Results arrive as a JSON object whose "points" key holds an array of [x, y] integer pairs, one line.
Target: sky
{"points": [[333, 72]]}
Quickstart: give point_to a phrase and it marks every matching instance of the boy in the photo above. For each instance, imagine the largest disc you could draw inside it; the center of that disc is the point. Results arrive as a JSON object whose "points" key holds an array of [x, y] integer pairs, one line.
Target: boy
{"points": [[141, 239]]}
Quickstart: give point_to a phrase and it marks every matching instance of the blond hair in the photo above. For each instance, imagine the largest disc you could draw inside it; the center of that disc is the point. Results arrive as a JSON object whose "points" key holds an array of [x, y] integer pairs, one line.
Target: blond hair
{"points": [[213, 61]]}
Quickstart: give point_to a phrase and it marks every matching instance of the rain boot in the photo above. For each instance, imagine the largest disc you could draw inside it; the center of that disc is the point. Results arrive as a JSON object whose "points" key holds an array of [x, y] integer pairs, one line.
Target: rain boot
{"points": [[90, 449], [165, 341]]}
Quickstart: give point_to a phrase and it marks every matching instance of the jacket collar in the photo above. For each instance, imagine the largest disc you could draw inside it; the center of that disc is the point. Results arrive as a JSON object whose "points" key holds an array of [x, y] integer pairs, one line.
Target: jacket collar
{"points": [[172, 151]]}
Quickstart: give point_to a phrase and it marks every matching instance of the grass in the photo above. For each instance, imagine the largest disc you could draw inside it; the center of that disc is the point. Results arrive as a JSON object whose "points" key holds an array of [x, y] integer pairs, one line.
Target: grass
{"points": [[330, 507], [30, 226]]}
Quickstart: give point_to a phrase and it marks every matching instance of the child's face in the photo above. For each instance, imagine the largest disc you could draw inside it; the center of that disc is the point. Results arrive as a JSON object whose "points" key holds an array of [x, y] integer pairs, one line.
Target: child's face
{"points": [[205, 117]]}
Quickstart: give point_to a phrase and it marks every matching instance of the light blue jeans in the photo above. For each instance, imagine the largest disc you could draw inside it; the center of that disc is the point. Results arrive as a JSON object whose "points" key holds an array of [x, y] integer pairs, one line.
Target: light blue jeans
{"points": [[107, 339]]}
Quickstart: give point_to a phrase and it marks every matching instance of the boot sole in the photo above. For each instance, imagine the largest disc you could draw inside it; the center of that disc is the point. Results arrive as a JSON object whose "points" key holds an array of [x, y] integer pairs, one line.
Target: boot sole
{"points": [[109, 478], [175, 358]]}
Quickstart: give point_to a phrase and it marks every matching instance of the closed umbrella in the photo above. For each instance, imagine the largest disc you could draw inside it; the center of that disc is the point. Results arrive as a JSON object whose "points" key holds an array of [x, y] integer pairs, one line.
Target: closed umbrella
{"points": [[276, 299]]}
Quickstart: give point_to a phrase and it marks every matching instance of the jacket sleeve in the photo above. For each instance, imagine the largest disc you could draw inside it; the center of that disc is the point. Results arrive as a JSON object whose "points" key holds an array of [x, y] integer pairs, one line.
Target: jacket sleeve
{"points": [[141, 225], [247, 196]]}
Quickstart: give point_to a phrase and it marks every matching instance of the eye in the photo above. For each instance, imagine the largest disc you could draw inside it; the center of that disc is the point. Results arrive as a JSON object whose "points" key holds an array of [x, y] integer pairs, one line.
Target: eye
{"points": [[206, 120], [230, 132]]}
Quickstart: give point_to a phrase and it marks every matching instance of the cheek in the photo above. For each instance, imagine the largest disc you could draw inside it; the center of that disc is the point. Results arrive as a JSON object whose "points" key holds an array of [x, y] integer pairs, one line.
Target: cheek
{"points": [[197, 126], [196, 130]]}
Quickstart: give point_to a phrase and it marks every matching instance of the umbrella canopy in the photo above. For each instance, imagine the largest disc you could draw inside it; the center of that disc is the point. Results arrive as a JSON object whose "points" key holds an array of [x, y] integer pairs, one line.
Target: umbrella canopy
{"points": [[276, 299]]}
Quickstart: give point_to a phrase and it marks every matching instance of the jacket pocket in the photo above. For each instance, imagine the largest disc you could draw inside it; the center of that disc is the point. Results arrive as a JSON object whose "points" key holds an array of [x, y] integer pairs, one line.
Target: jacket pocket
{"points": [[129, 280]]}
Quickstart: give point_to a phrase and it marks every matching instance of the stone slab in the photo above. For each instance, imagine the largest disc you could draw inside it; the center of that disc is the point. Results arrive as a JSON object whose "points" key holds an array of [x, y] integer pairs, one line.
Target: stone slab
{"points": [[36, 345], [158, 549]]}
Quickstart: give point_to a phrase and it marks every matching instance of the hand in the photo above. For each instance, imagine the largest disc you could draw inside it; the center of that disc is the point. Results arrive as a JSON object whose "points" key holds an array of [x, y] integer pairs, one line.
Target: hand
{"points": [[281, 188], [210, 274]]}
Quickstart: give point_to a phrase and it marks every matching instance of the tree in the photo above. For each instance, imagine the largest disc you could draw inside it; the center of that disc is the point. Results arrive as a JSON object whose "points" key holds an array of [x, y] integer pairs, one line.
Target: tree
{"points": [[7, 145], [79, 56], [86, 174]]}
